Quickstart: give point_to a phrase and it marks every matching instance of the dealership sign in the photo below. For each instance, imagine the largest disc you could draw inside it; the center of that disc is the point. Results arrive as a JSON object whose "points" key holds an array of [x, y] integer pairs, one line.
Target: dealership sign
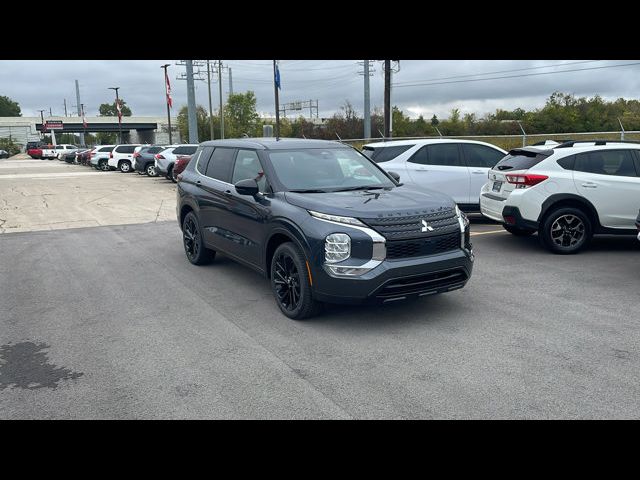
{"points": [[53, 125]]}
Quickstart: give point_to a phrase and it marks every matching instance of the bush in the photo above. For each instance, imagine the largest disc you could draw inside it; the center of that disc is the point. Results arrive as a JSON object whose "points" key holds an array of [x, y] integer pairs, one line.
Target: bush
{"points": [[10, 146]]}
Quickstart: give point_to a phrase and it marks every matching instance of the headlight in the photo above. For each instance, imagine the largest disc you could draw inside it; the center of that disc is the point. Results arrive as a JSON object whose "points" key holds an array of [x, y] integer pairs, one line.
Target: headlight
{"points": [[337, 218], [337, 247]]}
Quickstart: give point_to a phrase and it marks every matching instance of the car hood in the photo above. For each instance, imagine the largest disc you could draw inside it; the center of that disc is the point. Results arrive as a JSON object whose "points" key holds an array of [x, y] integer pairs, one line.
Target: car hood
{"points": [[371, 203]]}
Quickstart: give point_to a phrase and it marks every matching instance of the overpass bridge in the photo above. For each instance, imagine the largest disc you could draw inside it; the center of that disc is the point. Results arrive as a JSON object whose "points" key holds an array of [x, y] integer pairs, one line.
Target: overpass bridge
{"points": [[135, 129]]}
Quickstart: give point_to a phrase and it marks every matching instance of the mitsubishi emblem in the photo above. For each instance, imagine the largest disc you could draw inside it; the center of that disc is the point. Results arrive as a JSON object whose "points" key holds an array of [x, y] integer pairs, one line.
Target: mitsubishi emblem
{"points": [[426, 227]]}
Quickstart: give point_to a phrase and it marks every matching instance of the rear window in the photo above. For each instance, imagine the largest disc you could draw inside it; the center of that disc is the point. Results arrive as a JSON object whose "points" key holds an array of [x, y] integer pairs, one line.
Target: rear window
{"points": [[126, 149], [520, 161], [154, 149], [384, 154], [185, 150]]}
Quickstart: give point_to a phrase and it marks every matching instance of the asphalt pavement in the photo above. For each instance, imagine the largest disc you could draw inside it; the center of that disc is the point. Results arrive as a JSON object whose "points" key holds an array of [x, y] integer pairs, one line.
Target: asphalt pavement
{"points": [[113, 322]]}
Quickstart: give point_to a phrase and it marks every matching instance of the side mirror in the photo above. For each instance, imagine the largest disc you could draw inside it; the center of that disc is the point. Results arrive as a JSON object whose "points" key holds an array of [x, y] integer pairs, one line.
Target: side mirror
{"points": [[395, 176], [247, 187]]}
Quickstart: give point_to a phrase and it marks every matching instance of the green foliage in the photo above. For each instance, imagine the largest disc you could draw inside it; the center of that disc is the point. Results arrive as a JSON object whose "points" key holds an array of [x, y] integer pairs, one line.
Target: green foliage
{"points": [[202, 120], [9, 108], [10, 146], [106, 138], [241, 117], [109, 109]]}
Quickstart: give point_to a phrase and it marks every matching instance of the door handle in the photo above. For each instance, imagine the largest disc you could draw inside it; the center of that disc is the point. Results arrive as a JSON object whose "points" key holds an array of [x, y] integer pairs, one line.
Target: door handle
{"points": [[478, 172], [198, 182], [590, 185]]}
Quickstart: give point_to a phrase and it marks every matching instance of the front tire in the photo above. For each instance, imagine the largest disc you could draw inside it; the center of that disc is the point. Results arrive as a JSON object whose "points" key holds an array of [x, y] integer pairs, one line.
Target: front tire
{"points": [[290, 283], [517, 231], [192, 241], [125, 166], [565, 230]]}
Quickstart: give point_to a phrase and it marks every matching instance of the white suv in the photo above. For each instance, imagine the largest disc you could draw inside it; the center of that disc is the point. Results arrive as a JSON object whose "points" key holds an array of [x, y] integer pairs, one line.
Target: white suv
{"points": [[455, 167], [121, 157], [567, 193]]}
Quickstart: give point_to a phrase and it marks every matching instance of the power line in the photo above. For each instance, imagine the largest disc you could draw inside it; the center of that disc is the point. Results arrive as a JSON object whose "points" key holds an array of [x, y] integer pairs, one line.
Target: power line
{"points": [[517, 76], [499, 71]]}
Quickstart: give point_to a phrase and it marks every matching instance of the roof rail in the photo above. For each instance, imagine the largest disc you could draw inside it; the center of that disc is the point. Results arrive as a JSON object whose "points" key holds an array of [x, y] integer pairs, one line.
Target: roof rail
{"points": [[595, 142]]}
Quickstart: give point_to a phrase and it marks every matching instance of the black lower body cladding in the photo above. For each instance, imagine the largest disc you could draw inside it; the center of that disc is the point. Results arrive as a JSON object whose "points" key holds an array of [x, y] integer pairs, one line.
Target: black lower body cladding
{"points": [[395, 280]]}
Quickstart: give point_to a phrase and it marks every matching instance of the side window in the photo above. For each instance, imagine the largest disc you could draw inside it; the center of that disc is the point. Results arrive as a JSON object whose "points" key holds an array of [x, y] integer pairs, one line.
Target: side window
{"points": [[180, 151], [446, 154], [607, 162], [247, 165], [126, 149], [384, 154], [481, 156], [220, 164], [203, 160], [567, 162], [419, 157]]}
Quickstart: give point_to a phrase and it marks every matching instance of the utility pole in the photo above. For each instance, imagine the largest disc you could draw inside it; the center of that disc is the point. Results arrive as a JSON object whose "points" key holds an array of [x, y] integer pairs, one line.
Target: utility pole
{"points": [[210, 104], [276, 85], [42, 120], [367, 72], [387, 99], [221, 104], [166, 79], [50, 112], [230, 82], [80, 111], [119, 118], [65, 107], [191, 104]]}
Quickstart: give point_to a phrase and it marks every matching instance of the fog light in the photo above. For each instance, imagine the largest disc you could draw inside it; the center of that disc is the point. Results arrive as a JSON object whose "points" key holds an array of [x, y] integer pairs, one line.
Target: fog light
{"points": [[337, 247], [510, 219]]}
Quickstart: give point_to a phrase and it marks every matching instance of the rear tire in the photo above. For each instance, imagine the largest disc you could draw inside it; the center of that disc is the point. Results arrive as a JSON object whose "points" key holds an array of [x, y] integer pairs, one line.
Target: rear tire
{"points": [[169, 175], [290, 283], [124, 166], [151, 170], [103, 165], [192, 241], [565, 230], [517, 231]]}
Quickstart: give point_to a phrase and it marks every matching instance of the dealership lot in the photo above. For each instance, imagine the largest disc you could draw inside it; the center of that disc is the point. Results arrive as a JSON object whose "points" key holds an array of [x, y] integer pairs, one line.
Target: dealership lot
{"points": [[111, 321]]}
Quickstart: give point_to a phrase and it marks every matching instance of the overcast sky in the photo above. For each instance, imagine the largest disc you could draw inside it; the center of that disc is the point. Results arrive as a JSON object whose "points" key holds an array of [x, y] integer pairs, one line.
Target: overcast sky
{"points": [[42, 84]]}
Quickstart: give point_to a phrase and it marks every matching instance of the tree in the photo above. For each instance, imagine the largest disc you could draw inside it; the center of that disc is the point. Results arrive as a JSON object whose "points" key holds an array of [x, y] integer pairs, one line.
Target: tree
{"points": [[109, 109], [202, 121], [9, 108], [240, 115], [434, 120], [10, 146]]}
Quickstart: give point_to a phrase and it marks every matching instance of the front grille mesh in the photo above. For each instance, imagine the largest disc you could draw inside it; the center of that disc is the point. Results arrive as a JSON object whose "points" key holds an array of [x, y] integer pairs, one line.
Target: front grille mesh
{"points": [[421, 247], [410, 226]]}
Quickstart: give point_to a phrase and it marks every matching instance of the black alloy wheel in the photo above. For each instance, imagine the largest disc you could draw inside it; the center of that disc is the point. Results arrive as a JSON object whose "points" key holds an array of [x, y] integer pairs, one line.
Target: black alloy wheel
{"points": [[291, 283], [194, 247]]}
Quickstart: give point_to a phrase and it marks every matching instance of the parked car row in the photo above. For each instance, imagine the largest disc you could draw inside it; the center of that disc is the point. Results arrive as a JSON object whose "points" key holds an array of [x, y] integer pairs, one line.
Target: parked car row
{"points": [[566, 192], [152, 160]]}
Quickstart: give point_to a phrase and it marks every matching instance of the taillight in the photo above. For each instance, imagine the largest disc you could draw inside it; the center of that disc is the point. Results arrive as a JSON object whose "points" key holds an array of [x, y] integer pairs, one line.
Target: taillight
{"points": [[136, 155], [159, 157], [110, 154], [525, 180]]}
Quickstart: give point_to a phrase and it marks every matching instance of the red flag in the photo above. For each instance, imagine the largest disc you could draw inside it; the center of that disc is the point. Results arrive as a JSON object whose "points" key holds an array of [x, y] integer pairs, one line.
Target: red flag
{"points": [[168, 89], [119, 109]]}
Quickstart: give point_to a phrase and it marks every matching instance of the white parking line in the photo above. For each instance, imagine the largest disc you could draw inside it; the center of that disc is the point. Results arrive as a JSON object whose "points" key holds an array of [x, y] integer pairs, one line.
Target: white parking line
{"points": [[486, 233], [52, 175]]}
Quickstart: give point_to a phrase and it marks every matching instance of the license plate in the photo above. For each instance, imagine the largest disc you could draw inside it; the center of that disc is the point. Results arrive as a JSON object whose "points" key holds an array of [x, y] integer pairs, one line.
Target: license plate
{"points": [[497, 186]]}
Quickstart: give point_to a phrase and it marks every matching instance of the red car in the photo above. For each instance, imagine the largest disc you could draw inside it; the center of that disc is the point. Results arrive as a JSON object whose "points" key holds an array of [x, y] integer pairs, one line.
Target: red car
{"points": [[181, 163], [35, 153]]}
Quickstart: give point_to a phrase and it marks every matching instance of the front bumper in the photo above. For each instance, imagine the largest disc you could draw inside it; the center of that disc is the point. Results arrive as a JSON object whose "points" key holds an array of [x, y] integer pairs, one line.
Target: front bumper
{"points": [[395, 280]]}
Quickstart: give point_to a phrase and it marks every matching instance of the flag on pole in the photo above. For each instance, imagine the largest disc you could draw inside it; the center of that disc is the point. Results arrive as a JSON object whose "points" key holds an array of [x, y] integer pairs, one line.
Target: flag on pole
{"points": [[277, 77], [119, 109], [84, 119], [168, 88]]}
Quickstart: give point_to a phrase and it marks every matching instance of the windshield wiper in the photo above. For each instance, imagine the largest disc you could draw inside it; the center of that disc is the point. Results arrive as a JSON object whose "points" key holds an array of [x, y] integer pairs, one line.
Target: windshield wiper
{"points": [[308, 190], [362, 187]]}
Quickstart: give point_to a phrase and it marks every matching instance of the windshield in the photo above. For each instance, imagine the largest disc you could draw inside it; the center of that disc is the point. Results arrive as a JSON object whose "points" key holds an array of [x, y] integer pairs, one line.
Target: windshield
{"points": [[326, 169]]}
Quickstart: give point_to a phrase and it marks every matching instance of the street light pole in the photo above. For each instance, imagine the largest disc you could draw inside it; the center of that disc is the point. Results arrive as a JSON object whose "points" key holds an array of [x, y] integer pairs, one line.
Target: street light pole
{"points": [[42, 120], [167, 100], [119, 118]]}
